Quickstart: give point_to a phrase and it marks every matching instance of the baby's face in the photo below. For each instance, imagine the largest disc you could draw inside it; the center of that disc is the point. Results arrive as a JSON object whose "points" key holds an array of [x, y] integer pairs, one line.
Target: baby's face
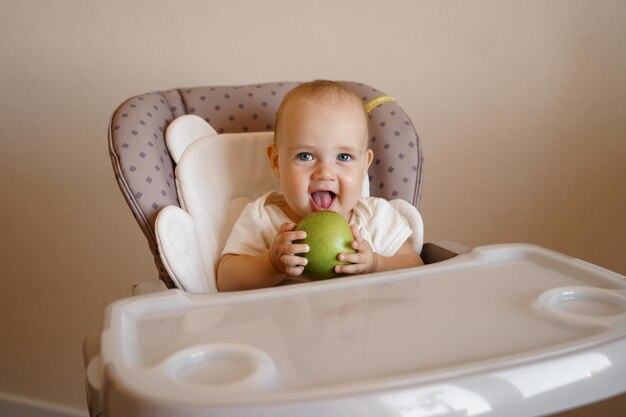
{"points": [[321, 156]]}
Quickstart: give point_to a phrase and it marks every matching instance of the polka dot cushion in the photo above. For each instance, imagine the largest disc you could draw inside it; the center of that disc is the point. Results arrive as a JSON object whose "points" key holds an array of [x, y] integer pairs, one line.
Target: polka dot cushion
{"points": [[145, 172]]}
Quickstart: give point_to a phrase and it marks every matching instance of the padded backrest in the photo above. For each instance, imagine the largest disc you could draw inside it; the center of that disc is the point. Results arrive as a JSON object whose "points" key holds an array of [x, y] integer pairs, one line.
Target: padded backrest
{"points": [[145, 172]]}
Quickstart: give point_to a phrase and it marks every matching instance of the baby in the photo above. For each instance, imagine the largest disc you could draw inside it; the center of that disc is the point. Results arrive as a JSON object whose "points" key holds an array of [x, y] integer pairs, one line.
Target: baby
{"points": [[320, 155]]}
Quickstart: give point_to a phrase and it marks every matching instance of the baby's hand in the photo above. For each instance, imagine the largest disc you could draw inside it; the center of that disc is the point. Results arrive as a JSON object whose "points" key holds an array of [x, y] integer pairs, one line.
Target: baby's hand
{"points": [[361, 262], [283, 251]]}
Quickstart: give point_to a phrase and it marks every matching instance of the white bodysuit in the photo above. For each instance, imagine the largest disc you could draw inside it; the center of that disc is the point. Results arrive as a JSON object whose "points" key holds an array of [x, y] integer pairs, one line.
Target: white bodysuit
{"points": [[379, 223]]}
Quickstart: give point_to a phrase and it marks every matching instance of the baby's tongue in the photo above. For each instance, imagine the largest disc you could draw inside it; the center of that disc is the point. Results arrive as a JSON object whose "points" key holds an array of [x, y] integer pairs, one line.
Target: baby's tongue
{"points": [[322, 199]]}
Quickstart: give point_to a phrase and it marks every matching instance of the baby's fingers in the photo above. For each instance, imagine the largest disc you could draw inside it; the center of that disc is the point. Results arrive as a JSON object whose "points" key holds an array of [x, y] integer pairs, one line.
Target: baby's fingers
{"points": [[286, 238], [355, 232], [286, 227], [360, 245], [353, 258], [299, 248], [355, 268], [293, 265], [294, 271]]}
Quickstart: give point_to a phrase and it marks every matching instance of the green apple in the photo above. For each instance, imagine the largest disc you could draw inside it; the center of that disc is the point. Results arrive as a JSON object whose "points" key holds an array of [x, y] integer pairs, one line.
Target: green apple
{"points": [[328, 234]]}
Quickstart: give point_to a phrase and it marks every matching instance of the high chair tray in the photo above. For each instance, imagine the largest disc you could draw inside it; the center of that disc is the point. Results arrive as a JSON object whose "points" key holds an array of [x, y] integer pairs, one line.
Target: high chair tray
{"points": [[513, 330]]}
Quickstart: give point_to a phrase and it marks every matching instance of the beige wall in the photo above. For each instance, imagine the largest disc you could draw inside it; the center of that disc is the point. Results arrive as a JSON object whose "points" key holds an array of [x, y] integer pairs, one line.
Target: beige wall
{"points": [[520, 106]]}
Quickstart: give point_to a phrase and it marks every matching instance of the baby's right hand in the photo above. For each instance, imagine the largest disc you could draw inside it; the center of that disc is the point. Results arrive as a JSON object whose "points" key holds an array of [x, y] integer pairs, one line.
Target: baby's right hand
{"points": [[283, 251]]}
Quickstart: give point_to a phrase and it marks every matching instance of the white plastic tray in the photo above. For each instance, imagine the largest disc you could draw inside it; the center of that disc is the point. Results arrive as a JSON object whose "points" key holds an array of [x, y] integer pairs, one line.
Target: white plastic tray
{"points": [[502, 330]]}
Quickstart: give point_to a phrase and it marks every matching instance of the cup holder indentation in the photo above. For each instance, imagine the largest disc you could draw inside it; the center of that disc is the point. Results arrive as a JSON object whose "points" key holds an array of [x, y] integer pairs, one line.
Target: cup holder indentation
{"points": [[593, 307], [220, 365], [583, 305]]}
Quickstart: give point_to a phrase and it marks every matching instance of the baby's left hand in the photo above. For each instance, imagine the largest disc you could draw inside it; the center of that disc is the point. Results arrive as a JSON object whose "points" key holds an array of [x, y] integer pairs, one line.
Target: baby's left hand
{"points": [[361, 262]]}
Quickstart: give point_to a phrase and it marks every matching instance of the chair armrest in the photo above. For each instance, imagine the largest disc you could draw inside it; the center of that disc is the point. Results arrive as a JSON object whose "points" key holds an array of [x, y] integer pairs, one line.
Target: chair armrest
{"points": [[441, 250]]}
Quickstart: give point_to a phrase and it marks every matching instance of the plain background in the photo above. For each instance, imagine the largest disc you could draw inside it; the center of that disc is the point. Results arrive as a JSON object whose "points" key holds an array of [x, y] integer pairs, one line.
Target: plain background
{"points": [[520, 106]]}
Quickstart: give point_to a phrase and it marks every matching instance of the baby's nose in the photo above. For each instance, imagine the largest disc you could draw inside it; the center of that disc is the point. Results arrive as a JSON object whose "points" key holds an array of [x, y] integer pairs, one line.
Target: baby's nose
{"points": [[323, 172]]}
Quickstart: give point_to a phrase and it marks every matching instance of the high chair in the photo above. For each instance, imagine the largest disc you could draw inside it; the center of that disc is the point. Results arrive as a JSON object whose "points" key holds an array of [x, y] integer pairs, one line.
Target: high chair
{"points": [[145, 169], [501, 330]]}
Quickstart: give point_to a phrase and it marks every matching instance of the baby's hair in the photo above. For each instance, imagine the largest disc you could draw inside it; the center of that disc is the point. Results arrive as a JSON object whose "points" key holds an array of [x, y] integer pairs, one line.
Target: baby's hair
{"points": [[319, 90]]}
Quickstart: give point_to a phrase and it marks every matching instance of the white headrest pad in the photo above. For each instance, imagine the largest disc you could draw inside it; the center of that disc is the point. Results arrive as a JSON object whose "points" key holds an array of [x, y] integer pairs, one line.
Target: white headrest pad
{"points": [[183, 131]]}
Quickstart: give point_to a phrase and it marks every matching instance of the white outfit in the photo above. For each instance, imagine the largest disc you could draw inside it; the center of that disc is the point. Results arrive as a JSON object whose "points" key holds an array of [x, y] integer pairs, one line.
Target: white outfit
{"points": [[379, 224]]}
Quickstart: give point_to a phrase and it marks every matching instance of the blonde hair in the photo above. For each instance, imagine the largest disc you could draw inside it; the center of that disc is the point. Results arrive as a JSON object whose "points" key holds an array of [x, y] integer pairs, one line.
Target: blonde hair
{"points": [[317, 91]]}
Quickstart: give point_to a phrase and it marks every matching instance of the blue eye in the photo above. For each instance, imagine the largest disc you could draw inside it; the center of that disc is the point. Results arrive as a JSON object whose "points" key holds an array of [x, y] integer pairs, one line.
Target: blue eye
{"points": [[304, 156], [344, 157]]}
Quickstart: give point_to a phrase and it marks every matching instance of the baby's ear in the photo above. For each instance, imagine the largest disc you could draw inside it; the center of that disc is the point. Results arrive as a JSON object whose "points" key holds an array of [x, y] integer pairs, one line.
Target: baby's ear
{"points": [[369, 155], [272, 156]]}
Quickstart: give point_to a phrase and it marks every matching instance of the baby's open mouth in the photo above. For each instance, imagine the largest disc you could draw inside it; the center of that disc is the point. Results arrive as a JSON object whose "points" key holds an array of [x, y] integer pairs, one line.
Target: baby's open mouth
{"points": [[323, 200]]}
